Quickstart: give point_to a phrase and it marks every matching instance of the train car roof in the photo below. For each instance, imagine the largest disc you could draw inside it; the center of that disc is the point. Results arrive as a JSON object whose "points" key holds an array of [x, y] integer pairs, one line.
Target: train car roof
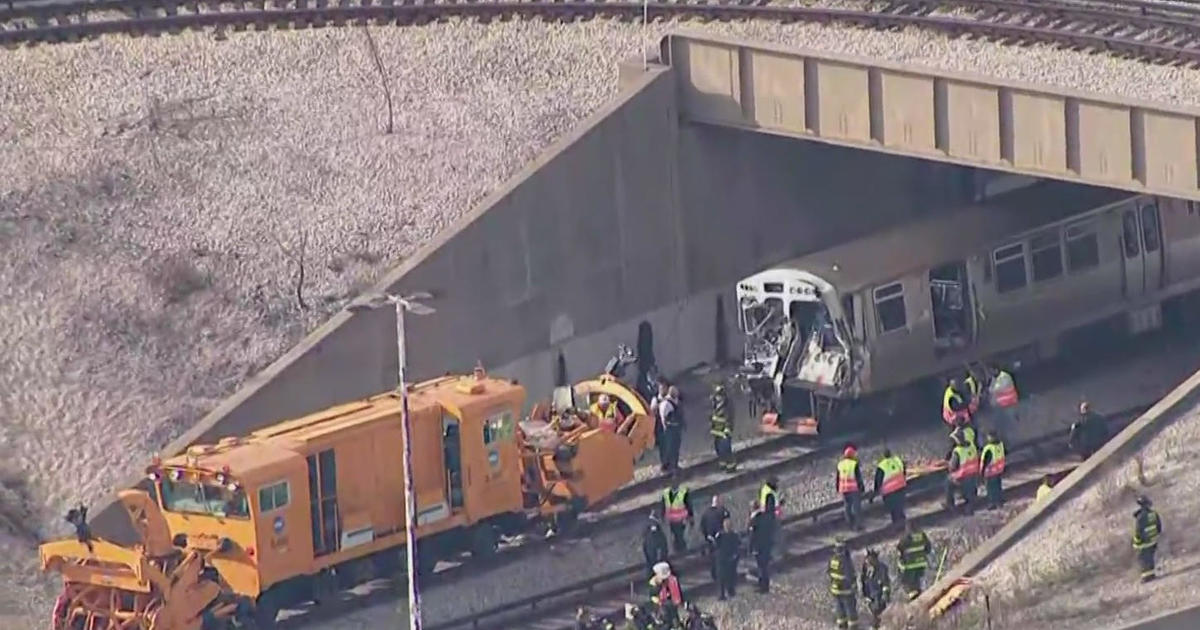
{"points": [[945, 238]]}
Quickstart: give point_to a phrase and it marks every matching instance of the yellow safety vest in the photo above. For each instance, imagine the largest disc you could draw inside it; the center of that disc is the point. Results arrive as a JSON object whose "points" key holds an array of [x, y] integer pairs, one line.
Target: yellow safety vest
{"points": [[893, 474], [675, 507], [847, 481], [995, 466], [1004, 392], [1042, 491], [973, 386], [763, 493], [968, 462]]}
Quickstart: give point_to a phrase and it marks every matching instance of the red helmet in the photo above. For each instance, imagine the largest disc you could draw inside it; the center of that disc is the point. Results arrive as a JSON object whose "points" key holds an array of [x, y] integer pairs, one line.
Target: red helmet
{"points": [[849, 452]]}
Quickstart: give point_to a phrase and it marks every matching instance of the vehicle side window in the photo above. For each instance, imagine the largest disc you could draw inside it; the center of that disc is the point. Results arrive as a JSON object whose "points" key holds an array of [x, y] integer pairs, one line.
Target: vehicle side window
{"points": [[889, 307], [498, 427], [1046, 256], [1130, 228], [1083, 248], [1150, 227], [1010, 268], [274, 496]]}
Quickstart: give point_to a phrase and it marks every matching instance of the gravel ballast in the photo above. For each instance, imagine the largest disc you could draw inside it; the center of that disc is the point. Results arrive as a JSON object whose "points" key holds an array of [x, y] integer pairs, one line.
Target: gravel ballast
{"points": [[159, 193]]}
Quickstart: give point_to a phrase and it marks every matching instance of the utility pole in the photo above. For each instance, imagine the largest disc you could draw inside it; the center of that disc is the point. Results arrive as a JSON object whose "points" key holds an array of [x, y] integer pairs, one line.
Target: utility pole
{"points": [[403, 305]]}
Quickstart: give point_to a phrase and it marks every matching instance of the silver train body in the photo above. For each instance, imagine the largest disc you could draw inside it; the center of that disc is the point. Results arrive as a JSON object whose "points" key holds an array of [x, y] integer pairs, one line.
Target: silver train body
{"points": [[1007, 277]]}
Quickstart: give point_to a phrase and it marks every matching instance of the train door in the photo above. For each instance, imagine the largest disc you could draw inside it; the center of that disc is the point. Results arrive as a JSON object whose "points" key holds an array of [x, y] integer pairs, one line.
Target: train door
{"points": [[1152, 250], [323, 507], [953, 314], [1141, 249], [452, 458]]}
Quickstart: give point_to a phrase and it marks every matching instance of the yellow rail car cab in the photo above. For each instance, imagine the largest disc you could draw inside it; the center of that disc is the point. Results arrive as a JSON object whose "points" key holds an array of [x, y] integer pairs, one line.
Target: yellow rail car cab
{"points": [[309, 506]]}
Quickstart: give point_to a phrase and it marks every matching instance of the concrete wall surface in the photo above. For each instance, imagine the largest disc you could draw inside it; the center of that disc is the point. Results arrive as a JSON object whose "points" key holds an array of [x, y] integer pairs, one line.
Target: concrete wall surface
{"points": [[1182, 619]]}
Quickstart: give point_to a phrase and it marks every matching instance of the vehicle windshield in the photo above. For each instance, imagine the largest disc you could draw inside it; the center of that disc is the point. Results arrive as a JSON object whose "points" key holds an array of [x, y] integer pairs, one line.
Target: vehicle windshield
{"points": [[204, 498], [756, 314]]}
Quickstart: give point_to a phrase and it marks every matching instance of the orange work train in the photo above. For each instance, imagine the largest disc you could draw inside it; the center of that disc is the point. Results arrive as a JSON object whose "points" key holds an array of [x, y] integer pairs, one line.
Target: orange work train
{"points": [[300, 510]]}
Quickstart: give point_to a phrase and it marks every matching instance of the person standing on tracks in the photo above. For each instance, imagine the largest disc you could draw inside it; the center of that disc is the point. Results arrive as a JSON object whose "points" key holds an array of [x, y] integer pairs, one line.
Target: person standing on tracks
{"points": [[914, 550], [963, 432], [992, 464], [654, 543], [672, 417], [670, 593], [849, 484], [842, 585], [1046, 487], [954, 405], [971, 384], [677, 506], [768, 499], [660, 440], [890, 483], [876, 586], [762, 543], [1003, 401], [710, 527], [727, 553], [963, 474], [1147, 526], [1089, 432], [721, 427]]}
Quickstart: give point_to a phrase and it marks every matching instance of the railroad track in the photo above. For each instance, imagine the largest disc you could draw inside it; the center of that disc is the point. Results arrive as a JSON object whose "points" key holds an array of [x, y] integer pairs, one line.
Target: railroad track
{"points": [[1133, 28], [806, 538]]}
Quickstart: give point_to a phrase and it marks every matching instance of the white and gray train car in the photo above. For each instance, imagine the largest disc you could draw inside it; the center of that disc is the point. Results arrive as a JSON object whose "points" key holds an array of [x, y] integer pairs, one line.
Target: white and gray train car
{"points": [[1005, 278]]}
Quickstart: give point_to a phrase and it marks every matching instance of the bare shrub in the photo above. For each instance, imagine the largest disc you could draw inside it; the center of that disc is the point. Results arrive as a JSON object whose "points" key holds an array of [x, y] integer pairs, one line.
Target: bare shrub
{"points": [[178, 278]]}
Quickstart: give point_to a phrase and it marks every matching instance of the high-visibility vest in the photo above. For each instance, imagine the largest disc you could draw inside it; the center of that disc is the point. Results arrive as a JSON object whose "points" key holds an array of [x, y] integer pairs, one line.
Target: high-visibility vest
{"points": [[968, 462], [995, 466], [720, 417], [913, 552], [1147, 536], [847, 480], [973, 387], [948, 413], [1004, 391], [675, 508], [966, 432], [1042, 491], [669, 591], [768, 491], [607, 416], [893, 474], [839, 580]]}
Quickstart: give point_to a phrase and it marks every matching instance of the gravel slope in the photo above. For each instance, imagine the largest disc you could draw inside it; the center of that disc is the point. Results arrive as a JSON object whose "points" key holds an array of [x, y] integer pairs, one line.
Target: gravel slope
{"points": [[158, 194]]}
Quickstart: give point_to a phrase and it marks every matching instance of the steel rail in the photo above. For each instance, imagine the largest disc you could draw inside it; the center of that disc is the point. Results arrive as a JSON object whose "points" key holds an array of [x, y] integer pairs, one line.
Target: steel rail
{"points": [[614, 584], [1175, 49]]}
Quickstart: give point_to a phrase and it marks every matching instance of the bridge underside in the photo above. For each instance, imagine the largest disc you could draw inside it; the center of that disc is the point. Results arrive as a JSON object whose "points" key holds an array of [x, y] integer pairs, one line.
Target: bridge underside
{"points": [[958, 118]]}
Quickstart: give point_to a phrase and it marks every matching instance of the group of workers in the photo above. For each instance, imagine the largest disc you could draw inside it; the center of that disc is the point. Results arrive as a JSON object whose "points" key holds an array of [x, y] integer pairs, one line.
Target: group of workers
{"points": [[874, 580]]}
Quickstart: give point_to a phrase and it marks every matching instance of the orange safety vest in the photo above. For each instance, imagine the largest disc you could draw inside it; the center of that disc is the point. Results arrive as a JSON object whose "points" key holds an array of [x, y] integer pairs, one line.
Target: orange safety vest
{"points": [[893, 475], [995, 466], [847, 481], [968, 463], [669, 591], [607, 416], [675, 507], [1004, 392]]}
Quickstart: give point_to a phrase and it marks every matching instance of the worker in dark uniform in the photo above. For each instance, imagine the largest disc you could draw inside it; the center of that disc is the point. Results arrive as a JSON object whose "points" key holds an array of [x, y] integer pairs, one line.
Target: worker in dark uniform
{"points": [[768, 498], [842, 585], [660, 440], [849, 484], [722, 429], [914, 550], [762, 543], [1089, 432], [963, 475], [654, 543], [876, 586], [728, 552], [677, 507], [671, 411], [890, 483], [710, 526], [992, 463], [1147, 526]]}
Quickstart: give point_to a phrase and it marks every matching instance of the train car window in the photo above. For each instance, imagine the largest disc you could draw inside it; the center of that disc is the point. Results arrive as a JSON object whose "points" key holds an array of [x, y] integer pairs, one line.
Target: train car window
{"points": [[1150, 238], [1083, 248], [1046, 256], [1010, 268], [889, 307], [848, 309], [498, 427], [274, 496], [1130, 229]]}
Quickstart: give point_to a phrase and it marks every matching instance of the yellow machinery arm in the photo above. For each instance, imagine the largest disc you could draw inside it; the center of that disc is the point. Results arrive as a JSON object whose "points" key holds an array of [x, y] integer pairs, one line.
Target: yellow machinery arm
{"points": [[152, 586]]}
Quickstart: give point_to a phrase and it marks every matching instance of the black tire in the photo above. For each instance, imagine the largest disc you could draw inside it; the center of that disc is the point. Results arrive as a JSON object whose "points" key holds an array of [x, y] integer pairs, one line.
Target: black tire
{"points": [[266, 610], [483, 541]]}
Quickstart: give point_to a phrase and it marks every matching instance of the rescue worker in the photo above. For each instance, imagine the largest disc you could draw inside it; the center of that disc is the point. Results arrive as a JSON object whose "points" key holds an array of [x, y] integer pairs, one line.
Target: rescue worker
{"points": [[876, 586], [607, 414], [670, 593], [634, 618], [1046, 487], [914, 550], [768, 499], [953, 404], [721, 422], [585, 620], [890, 483], [992, 464], [841, 585], [696, 620], [728, 552], [849, 484], [710, 526], [972, 392], [762, 542], [672, 417], [677, 507], [660, 441], [1089, 432], [654, 543], [1003, 400], [963, 432], [1147, 526], [963, 475]]}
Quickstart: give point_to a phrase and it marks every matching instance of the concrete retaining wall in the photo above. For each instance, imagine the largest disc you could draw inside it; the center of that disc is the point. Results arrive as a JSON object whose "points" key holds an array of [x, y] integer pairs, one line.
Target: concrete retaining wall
{"points": [[1163, 413], [631, 218], [1184, 619]]}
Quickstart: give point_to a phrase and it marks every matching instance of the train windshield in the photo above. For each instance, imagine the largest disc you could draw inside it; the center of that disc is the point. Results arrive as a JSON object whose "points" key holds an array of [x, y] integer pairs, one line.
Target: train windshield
{"points": [[757, 316], [204, 498]]}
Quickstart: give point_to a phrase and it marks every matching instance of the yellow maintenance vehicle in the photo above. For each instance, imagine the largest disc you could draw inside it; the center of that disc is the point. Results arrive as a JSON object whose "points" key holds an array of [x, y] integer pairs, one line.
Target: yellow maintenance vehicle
{"points": [[300, 510]]}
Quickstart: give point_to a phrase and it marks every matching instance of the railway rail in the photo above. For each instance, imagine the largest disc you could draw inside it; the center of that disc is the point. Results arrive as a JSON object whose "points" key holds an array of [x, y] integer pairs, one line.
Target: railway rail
{"points": [[806, 539], [1134, 28]]}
